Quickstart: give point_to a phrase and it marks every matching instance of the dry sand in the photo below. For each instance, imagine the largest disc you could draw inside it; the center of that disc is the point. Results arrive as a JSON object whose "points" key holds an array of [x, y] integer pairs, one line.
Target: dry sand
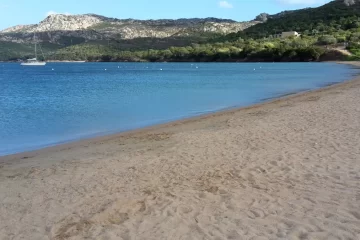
{"points": [[288, 169]]}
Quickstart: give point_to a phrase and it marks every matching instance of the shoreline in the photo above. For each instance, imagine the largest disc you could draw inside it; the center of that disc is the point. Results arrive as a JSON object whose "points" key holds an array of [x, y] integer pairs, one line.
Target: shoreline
{"points": [[111, 134], [158, 127], [285, 169], [350, 62]]}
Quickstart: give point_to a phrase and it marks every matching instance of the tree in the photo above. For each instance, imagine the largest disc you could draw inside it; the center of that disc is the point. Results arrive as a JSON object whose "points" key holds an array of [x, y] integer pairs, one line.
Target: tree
{"points": [[327, 40]]}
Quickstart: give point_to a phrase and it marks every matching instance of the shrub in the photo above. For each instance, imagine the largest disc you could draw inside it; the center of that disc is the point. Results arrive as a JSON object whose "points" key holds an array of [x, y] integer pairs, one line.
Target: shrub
{"points": [[327, 40]]}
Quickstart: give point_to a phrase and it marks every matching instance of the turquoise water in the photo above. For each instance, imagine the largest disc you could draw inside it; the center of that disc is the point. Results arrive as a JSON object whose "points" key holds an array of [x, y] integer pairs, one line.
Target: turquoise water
{"points": [[61, 102]]}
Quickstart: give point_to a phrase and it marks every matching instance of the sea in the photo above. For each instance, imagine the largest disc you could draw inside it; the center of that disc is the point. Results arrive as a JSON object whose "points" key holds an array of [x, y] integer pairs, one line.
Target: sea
{"points": [[64, 102]]}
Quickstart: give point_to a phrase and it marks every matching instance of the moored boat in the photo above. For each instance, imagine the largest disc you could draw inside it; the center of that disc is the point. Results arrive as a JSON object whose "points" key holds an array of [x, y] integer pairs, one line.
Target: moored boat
{"points": [[34, 61]]}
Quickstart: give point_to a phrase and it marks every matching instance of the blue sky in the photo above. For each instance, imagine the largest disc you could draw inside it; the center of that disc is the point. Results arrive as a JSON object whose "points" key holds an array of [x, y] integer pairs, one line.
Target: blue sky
{"points": [[14, 12]]}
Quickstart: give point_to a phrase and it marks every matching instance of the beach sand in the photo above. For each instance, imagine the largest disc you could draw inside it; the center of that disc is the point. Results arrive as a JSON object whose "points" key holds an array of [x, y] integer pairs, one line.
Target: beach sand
{"points": [[287, 169]]}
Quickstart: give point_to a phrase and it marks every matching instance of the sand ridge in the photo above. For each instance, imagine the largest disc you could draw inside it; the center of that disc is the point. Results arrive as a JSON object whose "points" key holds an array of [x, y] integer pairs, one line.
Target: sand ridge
{"points": [[288, 169]]}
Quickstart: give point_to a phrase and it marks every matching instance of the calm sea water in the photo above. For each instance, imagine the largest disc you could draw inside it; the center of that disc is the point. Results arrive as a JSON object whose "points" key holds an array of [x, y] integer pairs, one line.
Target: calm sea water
{"points": [[61, 102]]}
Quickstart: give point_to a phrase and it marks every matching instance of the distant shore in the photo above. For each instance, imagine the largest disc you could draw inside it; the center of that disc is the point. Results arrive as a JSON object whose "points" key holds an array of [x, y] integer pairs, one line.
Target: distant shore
{"points": [[287, 168], [65, 61], [326, 58], [49, 61]]}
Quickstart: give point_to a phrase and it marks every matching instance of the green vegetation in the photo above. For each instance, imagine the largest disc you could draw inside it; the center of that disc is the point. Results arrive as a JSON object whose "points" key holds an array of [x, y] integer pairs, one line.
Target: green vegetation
{"points": [[331, 18], [327, 40], [325, 32], [72, 48], [301, 49], [13, 51]]}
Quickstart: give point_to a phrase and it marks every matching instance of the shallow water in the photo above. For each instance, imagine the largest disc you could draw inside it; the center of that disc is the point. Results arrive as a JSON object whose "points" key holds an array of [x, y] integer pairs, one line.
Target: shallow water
{"points": [[61, 102]]}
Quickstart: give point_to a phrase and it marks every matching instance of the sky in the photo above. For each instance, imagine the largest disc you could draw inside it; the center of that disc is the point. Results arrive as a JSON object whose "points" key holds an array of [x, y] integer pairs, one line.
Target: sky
{"points": [[21, 12]]}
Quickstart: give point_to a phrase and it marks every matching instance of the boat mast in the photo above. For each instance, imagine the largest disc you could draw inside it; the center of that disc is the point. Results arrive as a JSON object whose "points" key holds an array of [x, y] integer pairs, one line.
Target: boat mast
{"points": [[35, 46]]}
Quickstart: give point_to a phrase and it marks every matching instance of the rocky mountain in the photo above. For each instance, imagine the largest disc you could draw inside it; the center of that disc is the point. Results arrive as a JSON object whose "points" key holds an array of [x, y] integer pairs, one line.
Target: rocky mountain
{"points": [[60, 22], [56, 27], [263, 17]]}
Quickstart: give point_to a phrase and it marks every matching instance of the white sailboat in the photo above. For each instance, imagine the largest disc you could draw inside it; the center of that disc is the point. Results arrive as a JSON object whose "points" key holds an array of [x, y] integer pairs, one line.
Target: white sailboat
{"points": [[34, 61]]}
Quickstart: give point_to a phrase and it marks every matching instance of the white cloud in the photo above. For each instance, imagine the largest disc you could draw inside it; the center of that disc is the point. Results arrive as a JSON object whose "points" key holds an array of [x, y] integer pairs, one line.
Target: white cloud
{"points": [[225, 4], [54, 13], [303, 2]]}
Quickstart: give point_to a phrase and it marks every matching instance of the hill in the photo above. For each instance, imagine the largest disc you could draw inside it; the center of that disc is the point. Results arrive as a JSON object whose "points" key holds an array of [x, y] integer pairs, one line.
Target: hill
{"points": [[325, 32], [61, 31], [90, 27], [333, 16]]}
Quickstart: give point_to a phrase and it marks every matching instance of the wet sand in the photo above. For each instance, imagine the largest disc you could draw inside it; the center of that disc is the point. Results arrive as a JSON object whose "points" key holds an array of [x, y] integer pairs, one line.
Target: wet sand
{"points": [[286, 169]]}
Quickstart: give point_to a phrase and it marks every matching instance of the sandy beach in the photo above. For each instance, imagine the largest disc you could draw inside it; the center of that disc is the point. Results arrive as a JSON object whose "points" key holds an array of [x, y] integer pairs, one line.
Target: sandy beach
{"points": [[286, 169]]}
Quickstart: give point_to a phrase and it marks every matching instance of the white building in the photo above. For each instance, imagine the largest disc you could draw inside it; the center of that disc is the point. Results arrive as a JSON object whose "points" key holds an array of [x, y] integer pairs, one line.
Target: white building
{"points": [[290, 34], [287, 34]]}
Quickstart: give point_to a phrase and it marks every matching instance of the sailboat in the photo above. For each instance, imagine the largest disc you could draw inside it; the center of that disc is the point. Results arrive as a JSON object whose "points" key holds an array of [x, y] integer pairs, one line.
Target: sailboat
{"points": [[34, 61]]}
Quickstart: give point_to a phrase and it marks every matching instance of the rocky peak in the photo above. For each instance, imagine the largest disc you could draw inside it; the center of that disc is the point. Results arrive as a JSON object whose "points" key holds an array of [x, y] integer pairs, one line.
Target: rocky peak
{"points": [[18, 28], [91, 27], [262, 17], [57, 22]]}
